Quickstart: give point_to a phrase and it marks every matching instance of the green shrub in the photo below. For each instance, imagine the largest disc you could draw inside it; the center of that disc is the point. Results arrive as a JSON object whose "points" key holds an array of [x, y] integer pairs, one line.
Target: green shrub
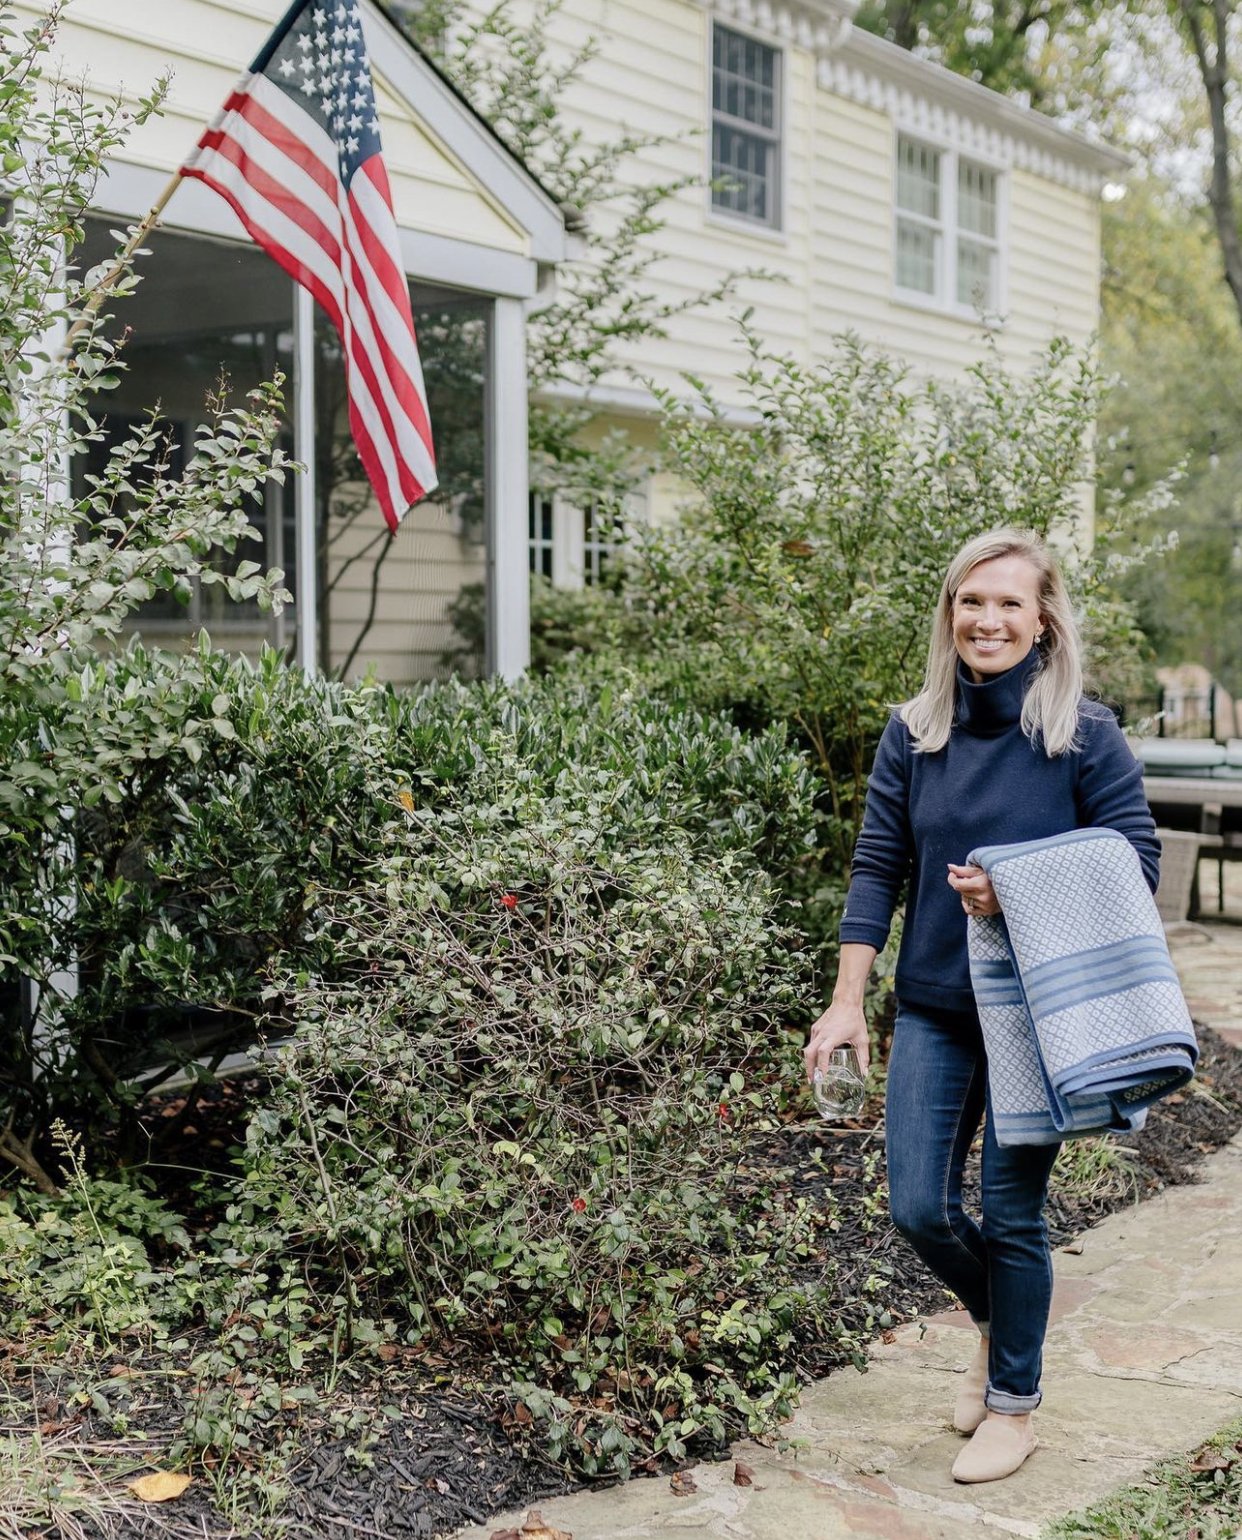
{"points": [[565, 624], [91, 1256], [518, 1117], [235, 796], [76, 563], [800, 581], [225, 794]]}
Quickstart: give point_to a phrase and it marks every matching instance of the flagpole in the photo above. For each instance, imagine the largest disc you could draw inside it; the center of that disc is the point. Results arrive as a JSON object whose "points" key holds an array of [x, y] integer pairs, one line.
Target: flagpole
{"points": [[106, 284], [304, 485]]}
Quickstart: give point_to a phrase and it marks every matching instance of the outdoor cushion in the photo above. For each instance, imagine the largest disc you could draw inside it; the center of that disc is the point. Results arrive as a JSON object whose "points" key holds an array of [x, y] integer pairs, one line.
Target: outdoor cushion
{"points": [[1181, 756]]}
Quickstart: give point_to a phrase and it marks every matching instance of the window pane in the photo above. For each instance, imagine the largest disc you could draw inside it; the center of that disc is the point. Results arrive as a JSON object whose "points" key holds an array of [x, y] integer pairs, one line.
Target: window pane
{"points": [[918, 179], [916, 257], [976, 274], [541, 534], [976, 200], [742, 161], [744, 78], [208, 317], [601, 531]]}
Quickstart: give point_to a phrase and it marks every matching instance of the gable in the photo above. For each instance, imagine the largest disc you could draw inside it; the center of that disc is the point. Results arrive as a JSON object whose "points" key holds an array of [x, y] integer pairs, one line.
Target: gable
{"points": [[452, 181]]}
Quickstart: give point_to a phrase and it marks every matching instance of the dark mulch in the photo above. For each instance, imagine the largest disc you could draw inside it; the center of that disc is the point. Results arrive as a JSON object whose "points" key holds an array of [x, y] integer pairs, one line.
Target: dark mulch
{"points": [[448, 1455]]}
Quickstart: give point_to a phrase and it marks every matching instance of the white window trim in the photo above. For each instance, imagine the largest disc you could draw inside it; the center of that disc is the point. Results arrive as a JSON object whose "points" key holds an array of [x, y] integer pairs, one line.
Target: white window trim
{"points": [[536, 542], [569, 546], [945, 300], [728, 219]]}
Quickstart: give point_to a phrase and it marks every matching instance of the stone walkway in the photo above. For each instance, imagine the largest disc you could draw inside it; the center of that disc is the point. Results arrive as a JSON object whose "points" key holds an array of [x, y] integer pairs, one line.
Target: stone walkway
{"points": [[1143, 1359]]}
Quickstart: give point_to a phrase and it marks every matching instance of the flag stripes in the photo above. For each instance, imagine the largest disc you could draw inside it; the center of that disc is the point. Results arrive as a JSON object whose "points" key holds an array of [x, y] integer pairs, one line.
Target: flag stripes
{"points": [[308, 182]]}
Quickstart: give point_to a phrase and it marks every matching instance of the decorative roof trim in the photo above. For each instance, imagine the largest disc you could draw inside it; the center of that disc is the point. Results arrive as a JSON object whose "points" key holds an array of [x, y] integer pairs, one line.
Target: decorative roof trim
{"points": [[924, 97], [819, 26]]}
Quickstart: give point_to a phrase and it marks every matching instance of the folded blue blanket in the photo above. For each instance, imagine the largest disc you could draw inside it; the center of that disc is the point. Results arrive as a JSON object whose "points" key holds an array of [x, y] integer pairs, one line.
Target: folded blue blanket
{"points": [[1083, 1016]]}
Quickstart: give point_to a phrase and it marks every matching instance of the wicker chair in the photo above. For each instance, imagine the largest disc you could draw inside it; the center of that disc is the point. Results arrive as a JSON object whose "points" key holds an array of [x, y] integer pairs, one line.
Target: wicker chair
{"points": [[1179, 867]]}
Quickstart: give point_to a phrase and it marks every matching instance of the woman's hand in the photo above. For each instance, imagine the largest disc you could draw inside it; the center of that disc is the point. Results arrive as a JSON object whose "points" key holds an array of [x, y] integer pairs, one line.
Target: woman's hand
{"points": [[841, 1024], [974, 887]]}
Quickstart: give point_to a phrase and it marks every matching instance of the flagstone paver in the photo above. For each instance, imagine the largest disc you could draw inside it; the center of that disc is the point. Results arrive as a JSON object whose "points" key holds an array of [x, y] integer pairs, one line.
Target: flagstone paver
{"points": [[1144, 1359]]}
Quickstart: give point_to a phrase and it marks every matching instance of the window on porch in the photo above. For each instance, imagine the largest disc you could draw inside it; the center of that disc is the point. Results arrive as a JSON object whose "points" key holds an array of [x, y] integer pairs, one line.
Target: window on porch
{"points": [[211, 314]]}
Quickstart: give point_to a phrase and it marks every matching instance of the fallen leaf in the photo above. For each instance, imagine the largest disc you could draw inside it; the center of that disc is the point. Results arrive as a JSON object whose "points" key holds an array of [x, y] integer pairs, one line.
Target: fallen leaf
{"points": [[536, 1529], [1075, 1247], [743, 1475], [160, 1487], [682, 1483], [1210, 1459], [504, 1534], [387, 1352]]}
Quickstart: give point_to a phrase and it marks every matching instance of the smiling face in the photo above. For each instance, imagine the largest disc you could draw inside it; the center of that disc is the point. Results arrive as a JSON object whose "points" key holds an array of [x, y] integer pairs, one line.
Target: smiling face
{"points": [[996, 615]]}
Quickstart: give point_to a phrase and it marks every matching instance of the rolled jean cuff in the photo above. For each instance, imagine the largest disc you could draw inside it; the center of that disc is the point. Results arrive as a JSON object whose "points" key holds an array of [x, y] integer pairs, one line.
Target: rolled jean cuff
{"points": [[1010, 1405]]}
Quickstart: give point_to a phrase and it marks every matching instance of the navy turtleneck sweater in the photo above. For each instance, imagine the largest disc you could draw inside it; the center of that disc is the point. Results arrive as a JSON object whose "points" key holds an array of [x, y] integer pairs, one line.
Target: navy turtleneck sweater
{"points": [[989, 785]]}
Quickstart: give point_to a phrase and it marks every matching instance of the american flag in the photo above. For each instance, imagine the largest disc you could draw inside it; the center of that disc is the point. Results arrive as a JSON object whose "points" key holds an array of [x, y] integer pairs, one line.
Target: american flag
{"points": [[296, 150]]}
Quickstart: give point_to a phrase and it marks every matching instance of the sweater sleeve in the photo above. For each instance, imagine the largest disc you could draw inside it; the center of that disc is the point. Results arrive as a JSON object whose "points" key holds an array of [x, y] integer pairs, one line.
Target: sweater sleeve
{"points": [[883, 850], [1110, 789]]}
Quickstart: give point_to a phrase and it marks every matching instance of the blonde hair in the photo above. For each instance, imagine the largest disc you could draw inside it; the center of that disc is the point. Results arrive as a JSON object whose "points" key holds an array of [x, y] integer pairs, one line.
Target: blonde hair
{"points": [[1050, 709]]}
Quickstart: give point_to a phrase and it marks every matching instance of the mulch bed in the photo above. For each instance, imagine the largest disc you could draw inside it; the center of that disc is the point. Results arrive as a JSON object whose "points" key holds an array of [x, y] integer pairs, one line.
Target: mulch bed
{"points": [[449, 1456]]}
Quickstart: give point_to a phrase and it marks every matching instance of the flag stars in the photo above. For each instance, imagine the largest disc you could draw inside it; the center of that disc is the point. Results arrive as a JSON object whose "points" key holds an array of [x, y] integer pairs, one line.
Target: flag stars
{"points": [[351, 145], [287, 67], [304, 42]]}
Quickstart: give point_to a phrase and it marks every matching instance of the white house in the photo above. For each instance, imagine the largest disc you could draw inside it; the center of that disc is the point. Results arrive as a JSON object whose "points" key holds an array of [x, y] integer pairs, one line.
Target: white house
{"points": [[891, 197], [480, 239]]}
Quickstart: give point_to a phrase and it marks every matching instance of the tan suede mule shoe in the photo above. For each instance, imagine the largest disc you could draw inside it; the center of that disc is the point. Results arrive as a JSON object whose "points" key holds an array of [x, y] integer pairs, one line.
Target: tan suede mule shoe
{"points": [[1000, 1445], [969, 1410]]}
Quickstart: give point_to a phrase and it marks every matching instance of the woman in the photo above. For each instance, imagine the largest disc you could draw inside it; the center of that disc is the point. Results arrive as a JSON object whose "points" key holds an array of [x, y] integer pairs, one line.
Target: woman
{"points": [[998, 746]]}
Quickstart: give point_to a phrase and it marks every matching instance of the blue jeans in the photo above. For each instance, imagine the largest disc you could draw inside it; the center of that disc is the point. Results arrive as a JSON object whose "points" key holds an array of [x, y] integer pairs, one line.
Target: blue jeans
{"points": [[1001, 1270]]}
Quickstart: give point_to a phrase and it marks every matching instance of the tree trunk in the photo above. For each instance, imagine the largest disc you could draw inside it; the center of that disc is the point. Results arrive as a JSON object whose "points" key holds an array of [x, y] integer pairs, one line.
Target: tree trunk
{"points": [[1213, 60]]}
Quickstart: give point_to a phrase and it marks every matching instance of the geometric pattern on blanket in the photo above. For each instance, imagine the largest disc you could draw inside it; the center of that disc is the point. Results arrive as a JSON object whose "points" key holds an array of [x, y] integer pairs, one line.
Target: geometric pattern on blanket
{"points": [[1083, 1017]]}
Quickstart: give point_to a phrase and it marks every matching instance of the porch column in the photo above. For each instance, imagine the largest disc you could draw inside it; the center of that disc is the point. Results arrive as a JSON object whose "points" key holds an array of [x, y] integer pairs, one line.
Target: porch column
{"points": [[306, 556], [508, 564]]}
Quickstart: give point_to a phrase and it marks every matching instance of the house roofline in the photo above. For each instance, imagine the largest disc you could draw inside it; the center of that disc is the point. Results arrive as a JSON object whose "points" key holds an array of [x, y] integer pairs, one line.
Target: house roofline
{"points": [[872, 70], [467, 135]]}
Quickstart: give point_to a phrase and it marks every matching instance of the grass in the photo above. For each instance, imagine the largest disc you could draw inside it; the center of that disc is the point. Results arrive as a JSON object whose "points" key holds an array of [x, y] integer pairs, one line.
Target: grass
{"points": [[56, 1484], [1094, 1170], [1191, 1497]]}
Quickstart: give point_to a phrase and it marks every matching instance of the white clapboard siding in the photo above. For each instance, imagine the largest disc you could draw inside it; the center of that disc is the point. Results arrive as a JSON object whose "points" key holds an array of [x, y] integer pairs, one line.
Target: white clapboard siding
{"points": [[123, 46], [833, 261], [425, 568]]}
